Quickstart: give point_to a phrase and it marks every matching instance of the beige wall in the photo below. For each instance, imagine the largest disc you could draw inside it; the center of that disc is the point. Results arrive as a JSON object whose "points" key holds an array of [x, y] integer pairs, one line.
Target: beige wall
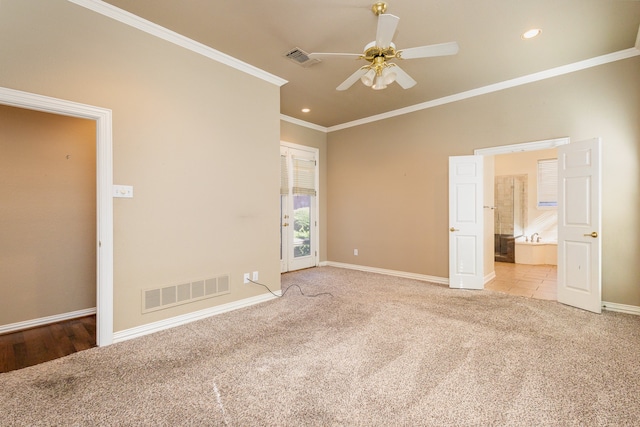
{"points": [[541, 221], [47, 214], [388, 180], [196, 139], [297, 134]]}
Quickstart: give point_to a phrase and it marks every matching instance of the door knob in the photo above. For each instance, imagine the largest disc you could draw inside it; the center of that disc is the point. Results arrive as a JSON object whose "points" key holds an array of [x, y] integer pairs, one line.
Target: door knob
{"points": [[453, 229], [594, 234], [285, 224]]}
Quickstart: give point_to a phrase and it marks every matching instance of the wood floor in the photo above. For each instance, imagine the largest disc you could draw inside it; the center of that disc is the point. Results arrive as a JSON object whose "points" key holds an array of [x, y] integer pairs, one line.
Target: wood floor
{"points": [[37, 345]]}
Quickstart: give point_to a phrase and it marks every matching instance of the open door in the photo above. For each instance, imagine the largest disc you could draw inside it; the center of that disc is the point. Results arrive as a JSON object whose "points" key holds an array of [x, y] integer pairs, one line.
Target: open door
{"points": [[579, 225], [466, 225]]}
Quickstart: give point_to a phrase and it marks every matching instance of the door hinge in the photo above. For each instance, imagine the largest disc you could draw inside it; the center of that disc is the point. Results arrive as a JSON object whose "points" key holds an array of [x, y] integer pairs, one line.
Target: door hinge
{"points": [[316, 253], [316, 223]]}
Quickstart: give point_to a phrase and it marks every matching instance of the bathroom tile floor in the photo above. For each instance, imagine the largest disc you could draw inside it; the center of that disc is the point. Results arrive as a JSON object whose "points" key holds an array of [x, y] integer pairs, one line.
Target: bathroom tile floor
{"points": [[533, 281]]}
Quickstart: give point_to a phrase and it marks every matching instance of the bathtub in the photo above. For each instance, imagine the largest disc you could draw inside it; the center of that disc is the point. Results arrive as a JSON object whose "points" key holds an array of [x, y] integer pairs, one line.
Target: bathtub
{"points": [[536, 252]]}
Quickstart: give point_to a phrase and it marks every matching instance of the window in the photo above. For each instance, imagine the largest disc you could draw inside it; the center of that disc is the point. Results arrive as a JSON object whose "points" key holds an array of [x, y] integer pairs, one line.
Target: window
{"points": [[548, 183]]}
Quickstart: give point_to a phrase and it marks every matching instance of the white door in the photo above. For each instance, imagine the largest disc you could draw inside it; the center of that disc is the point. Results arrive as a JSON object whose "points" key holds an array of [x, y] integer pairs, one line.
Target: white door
{"points": [[466, 225], [579, 225], [298, 219]]}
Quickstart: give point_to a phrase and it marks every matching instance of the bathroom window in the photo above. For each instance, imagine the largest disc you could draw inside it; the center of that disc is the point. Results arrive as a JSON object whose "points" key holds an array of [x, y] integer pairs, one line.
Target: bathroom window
{"points": [[548, 183]]}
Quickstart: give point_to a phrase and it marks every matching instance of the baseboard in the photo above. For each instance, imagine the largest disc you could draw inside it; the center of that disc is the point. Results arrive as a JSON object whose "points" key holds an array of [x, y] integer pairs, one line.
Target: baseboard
{"points": [[33, 323], [489, 277], [406, 275], [161, 325], [621, 308]]}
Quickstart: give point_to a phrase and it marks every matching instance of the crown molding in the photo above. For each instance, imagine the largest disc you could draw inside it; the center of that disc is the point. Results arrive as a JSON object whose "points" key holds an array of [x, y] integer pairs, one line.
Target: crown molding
{"points": [[507, 84], [149, 27], [302, 123]]}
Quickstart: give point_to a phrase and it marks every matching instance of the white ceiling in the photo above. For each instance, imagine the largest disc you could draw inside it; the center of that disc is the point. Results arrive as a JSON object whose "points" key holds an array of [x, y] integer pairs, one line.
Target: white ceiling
{"points": [[487, 31]]}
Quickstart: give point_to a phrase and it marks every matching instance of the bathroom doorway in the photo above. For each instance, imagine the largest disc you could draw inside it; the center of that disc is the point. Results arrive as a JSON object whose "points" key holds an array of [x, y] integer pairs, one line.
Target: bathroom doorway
{"points": [[524, 232], [516, 217]]}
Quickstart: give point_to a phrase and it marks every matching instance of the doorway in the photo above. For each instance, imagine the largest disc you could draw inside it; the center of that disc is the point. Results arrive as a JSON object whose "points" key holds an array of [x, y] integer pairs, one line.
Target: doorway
{"points": [[104, 202], [525, 233], [47, 218], [298, 207], [516, 217]]}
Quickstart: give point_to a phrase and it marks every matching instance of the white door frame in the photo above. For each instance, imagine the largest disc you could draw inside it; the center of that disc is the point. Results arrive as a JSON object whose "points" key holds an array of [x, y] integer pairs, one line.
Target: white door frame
{"points": [[315, 230], [104, 178]]}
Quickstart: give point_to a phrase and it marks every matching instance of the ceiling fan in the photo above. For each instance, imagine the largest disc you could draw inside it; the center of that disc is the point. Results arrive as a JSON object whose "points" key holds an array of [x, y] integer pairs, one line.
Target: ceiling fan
{"points": [[380, 72]]}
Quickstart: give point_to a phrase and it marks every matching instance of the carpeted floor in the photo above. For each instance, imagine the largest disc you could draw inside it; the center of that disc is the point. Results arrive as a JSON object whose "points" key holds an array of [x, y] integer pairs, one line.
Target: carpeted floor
{"points": [[378, 351]]}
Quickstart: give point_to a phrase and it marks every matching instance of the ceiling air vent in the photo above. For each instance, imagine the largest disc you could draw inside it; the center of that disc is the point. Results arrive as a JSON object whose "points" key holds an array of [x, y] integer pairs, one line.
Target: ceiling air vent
{"points": [[301, 57]]}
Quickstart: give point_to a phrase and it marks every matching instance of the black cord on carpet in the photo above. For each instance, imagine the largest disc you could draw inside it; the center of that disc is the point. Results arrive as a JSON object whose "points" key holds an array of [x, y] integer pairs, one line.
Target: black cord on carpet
{"points": [[285, 291]]}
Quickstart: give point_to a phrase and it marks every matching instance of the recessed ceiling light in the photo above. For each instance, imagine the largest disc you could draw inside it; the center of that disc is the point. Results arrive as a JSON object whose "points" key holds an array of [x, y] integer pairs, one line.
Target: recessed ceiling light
{"points": [[531, 33], [306, 110]]}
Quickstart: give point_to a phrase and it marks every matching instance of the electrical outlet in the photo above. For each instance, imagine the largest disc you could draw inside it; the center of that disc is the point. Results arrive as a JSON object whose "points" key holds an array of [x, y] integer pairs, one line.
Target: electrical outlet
{"points": [[355, 252], [255, 276], [246, 278]]}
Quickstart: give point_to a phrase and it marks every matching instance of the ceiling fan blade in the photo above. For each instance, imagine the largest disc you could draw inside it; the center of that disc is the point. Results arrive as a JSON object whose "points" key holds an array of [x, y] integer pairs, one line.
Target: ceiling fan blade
{"points": [[441, 49], [352, 79], [402, 78], [318, 55], [387, 25]]}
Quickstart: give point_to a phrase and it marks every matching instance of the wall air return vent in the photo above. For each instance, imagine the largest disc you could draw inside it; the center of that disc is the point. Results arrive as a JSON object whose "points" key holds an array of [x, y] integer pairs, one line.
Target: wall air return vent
{"points": [[183, 293], [301, 57]]}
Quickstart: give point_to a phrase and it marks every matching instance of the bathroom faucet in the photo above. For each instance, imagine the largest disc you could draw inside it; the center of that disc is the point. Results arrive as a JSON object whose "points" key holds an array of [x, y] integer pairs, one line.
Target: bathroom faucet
{"points": [[533, 235]]}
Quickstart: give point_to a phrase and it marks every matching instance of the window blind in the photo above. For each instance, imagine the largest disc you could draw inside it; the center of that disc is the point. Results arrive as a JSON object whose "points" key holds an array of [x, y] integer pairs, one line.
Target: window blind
{"points": [[284, 176], [547, 182], [304, 176]]}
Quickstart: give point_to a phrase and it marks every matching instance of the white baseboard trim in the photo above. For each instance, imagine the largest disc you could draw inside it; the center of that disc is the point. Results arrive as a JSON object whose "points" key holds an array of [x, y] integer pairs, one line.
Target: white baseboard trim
{"points": [[621, 308], [161, 325], [489, 277], [18, 326], [323, 264], [406, 275]]}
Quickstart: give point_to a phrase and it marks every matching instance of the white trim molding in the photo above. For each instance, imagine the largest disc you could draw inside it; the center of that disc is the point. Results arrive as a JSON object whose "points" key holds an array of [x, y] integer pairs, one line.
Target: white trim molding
{"points": [[302, 123], [621, 308], [489, 277], [149, 27], [396, 273], [525, 146], [507, 84], [104, 184], [150, 328], [27, 324]]}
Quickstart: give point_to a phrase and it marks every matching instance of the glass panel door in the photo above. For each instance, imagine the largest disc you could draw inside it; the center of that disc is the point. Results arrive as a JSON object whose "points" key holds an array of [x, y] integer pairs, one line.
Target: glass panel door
{"points": [[298, 242]]}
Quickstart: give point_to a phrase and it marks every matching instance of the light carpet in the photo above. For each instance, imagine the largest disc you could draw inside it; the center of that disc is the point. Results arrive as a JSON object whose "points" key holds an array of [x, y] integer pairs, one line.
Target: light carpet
{"points": [[378, 351]]}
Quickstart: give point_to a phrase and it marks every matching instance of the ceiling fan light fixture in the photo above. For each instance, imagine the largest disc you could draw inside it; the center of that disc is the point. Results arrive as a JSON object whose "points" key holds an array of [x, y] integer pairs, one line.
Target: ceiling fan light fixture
{"points": [[379, 84], [369, 77], [388, 76]]}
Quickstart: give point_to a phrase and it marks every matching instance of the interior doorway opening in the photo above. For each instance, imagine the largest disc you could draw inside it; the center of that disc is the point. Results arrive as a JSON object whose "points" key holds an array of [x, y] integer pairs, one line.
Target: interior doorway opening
{"points": [[104, 184], [514, 221]]}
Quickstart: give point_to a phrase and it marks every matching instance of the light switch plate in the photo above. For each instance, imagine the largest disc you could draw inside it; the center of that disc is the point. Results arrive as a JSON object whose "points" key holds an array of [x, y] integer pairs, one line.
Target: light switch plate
{"points": [[125, 191]]}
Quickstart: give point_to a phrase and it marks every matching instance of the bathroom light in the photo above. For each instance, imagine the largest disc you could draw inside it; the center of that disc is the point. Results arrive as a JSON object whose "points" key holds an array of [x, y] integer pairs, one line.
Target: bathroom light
{"points": [[306, 110], [534, 32]]}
